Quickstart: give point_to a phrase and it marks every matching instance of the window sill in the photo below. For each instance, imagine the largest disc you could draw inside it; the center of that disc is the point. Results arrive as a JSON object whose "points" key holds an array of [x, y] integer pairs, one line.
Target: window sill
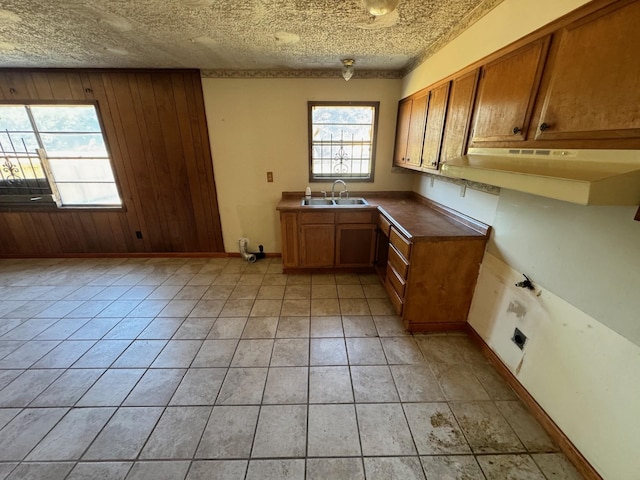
{"points": [[9, 208]]}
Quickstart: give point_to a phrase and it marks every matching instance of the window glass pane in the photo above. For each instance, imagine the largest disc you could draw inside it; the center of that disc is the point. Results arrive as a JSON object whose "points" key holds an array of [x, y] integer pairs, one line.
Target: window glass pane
{"points": [[18, 142], [65, 118], [87, 194], [85, 170], [72, 145], [72, 140], [342, 115], [14, 118]]}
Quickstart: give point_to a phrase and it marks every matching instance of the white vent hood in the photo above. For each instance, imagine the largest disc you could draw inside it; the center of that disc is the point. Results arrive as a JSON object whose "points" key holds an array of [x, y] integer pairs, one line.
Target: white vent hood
{"points": [[586, 177]]}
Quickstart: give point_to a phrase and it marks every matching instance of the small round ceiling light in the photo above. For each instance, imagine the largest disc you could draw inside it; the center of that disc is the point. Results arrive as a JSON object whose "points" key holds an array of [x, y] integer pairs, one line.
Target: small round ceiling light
{"points": [[378, 8], [347, 68]]}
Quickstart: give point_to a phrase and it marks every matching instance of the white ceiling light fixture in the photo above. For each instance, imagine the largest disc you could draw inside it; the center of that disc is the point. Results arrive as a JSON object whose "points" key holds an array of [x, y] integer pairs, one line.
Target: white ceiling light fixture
{"points": [[378, 8], [347, 68]]}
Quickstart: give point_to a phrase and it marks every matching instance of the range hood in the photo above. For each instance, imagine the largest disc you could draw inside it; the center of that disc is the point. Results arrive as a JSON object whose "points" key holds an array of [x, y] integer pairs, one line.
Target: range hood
{"points": [[586, 177]]}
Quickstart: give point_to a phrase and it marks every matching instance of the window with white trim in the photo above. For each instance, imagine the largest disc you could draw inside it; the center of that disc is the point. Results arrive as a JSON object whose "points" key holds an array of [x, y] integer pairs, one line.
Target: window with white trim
{"points": [[342, 139], [55, 153]]}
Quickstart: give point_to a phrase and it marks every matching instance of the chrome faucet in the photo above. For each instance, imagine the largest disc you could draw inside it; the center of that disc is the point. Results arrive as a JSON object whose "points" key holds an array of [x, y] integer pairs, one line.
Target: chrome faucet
{"points": [[333, 195]]}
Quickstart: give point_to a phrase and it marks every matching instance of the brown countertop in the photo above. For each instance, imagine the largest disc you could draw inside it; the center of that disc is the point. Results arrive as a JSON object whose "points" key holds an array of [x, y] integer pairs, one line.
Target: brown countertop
{"points": [[415, 216]]}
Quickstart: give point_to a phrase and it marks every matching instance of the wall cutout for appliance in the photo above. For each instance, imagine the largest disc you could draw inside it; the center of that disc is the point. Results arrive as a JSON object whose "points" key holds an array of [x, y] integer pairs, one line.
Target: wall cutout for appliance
{"points": [[519, 338]]}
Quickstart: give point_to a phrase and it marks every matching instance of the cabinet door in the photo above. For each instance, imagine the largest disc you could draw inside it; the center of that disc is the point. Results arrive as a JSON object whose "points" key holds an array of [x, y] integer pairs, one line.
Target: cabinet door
{"points": [[289, 229], [355, 245], [460, 107], [435, 126], [506, 93], [402, 132], [416, 130], [593, 89], [317, 245]]}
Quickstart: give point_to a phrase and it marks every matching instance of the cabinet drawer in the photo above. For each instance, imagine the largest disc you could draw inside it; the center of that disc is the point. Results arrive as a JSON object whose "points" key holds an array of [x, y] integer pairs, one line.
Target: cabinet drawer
{"points": [[396, 301], [305, 218], [402, 244], [396, 281], [398, 263], [384, 225], [355, 217]]}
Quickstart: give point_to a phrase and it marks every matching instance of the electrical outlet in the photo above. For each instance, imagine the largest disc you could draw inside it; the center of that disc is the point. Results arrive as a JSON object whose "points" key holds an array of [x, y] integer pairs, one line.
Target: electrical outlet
{"points": [[519, 338], [270, 177]]}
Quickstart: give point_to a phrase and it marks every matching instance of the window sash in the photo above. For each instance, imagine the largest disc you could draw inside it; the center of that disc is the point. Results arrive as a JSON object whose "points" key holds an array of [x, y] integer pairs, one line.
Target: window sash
{"points": [[342, 140], [70, 162]]}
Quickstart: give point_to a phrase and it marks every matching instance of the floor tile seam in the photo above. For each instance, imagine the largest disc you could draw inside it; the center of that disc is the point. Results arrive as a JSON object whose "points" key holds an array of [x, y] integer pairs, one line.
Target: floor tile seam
{"points": [[45, 435], [146, 441], [72, 333], [215, 400], [266, 378], [115, 410], [97, 315], [355, 409], [511, 427], [39, 358], [64, 370], [306, 447]]}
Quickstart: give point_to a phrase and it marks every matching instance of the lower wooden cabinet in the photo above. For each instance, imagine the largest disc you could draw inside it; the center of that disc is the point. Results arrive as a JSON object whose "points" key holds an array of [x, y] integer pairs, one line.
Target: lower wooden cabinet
{"points": [[355, 245], [317, 245], [328, 239], [289, 231], [430, 280]]}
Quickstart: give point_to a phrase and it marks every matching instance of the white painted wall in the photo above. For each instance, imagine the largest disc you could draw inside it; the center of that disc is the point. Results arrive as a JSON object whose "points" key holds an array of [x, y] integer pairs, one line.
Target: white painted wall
{"points": [[583, 356], [260, 125], [476, 204], [582, 373]]}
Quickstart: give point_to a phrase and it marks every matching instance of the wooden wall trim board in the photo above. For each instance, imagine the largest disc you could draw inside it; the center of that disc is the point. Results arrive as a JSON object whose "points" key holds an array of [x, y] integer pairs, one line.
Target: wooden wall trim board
{"points": [[137, 255], [156, 130], [567, 447]]}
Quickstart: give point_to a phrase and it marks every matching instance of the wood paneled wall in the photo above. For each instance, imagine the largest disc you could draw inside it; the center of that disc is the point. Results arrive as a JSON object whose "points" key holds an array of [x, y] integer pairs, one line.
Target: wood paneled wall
{"points": [[155, 126]]}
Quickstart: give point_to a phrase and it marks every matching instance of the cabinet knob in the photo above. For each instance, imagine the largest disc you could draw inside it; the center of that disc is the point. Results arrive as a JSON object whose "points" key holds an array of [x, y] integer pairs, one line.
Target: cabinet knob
{"points": [[434, 163], [516, 130], [408, 159], [544, 126]]}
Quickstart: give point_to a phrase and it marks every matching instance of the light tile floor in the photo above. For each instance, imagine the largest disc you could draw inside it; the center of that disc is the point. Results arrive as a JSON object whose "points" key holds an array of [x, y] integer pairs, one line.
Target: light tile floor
{"points": [[173, 368]]}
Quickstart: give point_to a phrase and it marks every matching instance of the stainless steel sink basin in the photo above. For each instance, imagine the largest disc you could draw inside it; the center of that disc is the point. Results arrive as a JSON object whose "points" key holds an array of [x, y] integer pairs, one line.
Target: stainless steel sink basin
{"points": [[317, 201], [327, 202], [350, 201]]}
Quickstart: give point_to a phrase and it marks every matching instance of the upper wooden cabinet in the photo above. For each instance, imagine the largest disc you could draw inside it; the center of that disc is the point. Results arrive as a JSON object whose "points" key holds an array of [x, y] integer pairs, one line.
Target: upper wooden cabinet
{"points": [[573, 84], [460, 107], [592, 80], [416, 129], [434, 126], [506, 94], [410, 130], [402, 132]]}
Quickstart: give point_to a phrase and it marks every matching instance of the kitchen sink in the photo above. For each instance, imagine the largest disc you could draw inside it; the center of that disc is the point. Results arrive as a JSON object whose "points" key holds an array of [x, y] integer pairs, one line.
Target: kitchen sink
{"points": [[317, 201], [327, 202], [350, 201]]}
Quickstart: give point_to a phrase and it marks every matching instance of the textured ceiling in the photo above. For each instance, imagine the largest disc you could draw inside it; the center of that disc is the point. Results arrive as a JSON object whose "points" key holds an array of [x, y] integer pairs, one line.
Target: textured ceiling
{"points": [[232, 35]]}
